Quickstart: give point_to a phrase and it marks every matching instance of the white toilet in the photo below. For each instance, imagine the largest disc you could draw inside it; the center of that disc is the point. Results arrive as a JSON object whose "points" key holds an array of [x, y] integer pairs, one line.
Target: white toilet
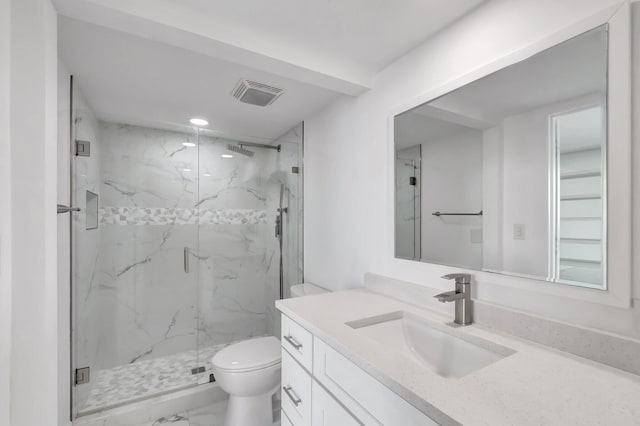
{"points": [[249, 372]]}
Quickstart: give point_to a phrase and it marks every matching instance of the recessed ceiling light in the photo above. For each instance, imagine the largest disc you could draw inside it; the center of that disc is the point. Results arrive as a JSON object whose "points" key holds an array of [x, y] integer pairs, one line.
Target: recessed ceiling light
{"points": [[186, 170], [188, 144], [227, 156], [206, 175], [198, 121]]}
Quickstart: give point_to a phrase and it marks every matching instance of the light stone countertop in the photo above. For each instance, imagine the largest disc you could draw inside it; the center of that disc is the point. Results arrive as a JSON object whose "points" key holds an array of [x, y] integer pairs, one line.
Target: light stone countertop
{"points": [[536, 385]]}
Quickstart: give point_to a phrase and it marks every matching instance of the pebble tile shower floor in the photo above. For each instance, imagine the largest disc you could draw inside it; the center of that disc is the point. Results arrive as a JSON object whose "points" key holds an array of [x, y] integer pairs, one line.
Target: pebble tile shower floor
{"points": [[143, 379]]}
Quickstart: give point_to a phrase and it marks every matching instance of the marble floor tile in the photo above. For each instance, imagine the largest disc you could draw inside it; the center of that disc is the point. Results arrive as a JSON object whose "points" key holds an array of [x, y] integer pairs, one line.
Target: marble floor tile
{"points": [[181, 419], [211, 415], [174, 420]]}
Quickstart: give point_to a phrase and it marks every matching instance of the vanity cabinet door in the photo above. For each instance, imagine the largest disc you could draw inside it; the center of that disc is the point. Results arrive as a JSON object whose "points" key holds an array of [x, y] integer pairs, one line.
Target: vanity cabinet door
{"points": [[325, 411], [296, 391], [284, 420]]}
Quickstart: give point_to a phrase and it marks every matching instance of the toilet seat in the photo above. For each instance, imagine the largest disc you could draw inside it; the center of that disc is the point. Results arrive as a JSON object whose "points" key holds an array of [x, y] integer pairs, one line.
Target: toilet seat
{"points": [[249, 355]]}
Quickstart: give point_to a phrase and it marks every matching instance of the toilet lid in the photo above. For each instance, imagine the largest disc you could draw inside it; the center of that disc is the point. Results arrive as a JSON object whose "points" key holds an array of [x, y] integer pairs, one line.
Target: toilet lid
{"points": [[248, 355]]}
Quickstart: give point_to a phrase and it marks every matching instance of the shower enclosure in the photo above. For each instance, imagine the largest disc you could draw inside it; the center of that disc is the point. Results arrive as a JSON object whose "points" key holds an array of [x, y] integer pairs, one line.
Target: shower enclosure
{"points": [[174, 253]]}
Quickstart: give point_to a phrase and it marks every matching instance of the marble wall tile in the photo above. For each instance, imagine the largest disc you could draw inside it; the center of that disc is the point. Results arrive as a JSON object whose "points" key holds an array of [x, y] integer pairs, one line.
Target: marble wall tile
{"points": [[149, 301], [147, 167], [134, 302], [149, 188], [233, 282], [158, 197]]}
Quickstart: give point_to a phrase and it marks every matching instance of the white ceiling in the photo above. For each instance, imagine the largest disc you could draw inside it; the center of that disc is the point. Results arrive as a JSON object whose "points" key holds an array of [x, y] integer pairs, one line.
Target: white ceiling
{"points": [[162, 61], [363, 34], [128, 79], [414, 128], [571, 70]]}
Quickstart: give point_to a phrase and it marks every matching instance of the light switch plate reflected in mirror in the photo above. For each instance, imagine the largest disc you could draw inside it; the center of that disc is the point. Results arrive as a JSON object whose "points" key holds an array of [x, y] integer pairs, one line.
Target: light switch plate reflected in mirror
{"points": [[518, 231]]}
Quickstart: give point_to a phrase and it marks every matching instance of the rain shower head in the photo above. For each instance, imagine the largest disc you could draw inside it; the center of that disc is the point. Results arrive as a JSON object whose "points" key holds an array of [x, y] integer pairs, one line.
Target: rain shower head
{"points": [[240, 147], [240, 150]]}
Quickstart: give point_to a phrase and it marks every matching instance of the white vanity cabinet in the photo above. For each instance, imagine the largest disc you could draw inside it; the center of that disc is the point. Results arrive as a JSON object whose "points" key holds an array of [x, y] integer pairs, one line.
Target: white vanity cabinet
{"points": [[326, 411], [321, 387]]}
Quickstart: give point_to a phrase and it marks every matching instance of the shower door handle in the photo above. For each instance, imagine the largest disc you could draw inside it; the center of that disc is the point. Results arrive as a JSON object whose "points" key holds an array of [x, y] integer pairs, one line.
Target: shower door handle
{"points": [[185, 260], [66, 209]]}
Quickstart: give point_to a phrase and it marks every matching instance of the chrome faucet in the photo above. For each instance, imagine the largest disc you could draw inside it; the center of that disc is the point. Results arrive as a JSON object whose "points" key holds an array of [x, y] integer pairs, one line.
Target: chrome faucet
{"points": [[461, 295]]}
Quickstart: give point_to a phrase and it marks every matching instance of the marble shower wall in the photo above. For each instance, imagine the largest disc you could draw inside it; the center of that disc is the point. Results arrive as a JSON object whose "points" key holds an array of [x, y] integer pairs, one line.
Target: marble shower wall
{"points": [[233, 259], [148, 303], [158, 197]]}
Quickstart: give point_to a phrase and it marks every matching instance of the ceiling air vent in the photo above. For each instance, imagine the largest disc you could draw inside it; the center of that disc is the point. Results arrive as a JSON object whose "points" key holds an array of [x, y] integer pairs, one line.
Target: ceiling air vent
{"points": [[254, 93]]}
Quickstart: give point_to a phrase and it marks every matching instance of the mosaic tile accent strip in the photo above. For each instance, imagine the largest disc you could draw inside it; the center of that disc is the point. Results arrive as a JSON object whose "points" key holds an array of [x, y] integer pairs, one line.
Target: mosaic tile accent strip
{"points": [[143, 379], [180, 216]]}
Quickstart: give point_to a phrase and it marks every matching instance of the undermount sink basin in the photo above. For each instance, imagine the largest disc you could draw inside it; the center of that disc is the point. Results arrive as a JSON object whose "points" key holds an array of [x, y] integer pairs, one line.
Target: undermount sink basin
{"points": [[436, 346]]}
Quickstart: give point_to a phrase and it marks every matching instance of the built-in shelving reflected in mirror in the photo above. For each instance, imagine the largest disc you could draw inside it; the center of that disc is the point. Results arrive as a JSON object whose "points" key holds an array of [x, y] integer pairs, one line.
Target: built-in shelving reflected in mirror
{"points": [[507, 174]]}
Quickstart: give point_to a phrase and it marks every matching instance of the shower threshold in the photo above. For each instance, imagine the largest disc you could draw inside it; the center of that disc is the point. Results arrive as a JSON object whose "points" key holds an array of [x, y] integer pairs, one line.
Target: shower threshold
{"points": [[130, 383]]}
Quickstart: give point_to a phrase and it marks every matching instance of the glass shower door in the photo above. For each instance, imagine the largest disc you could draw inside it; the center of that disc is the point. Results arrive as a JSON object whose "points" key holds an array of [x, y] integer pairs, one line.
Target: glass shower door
{"points": [[239, 252], [134, 273]]}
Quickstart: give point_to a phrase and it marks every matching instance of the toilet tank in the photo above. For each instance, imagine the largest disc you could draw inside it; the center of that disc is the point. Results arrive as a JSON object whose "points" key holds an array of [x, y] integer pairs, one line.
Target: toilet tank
{"points": [[306, 289]]}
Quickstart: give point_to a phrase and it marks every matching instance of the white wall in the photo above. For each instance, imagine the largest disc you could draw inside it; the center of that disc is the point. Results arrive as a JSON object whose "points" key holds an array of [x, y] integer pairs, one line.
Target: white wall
{"points": [[5, 214], [492, 189], [635, 40], [63, 197], [452, 182], [34, 298], [348, 211], [525, 193]]}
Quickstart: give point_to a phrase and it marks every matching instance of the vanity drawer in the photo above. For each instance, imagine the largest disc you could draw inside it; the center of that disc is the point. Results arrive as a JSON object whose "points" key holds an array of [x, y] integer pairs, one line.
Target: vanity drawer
{"points": [[368, 399], [296, 391], [326, 411], [297, 341]]}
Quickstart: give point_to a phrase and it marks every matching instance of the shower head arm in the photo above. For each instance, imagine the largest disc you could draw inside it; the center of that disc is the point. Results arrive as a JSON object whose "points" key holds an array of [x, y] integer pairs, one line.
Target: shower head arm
{"points": [[261, 145]]}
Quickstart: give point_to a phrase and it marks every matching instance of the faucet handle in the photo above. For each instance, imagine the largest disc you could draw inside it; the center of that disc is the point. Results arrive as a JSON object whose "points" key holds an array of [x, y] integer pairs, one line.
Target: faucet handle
{"points": [[460, 278]]}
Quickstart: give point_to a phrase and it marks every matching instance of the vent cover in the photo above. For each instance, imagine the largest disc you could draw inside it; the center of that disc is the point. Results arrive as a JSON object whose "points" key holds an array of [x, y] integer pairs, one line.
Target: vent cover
{"points": [[254, 93]]}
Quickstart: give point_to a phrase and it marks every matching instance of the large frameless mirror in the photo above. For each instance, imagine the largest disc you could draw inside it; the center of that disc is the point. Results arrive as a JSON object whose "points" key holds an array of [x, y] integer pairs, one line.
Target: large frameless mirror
{"points": [[507, 174]]}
